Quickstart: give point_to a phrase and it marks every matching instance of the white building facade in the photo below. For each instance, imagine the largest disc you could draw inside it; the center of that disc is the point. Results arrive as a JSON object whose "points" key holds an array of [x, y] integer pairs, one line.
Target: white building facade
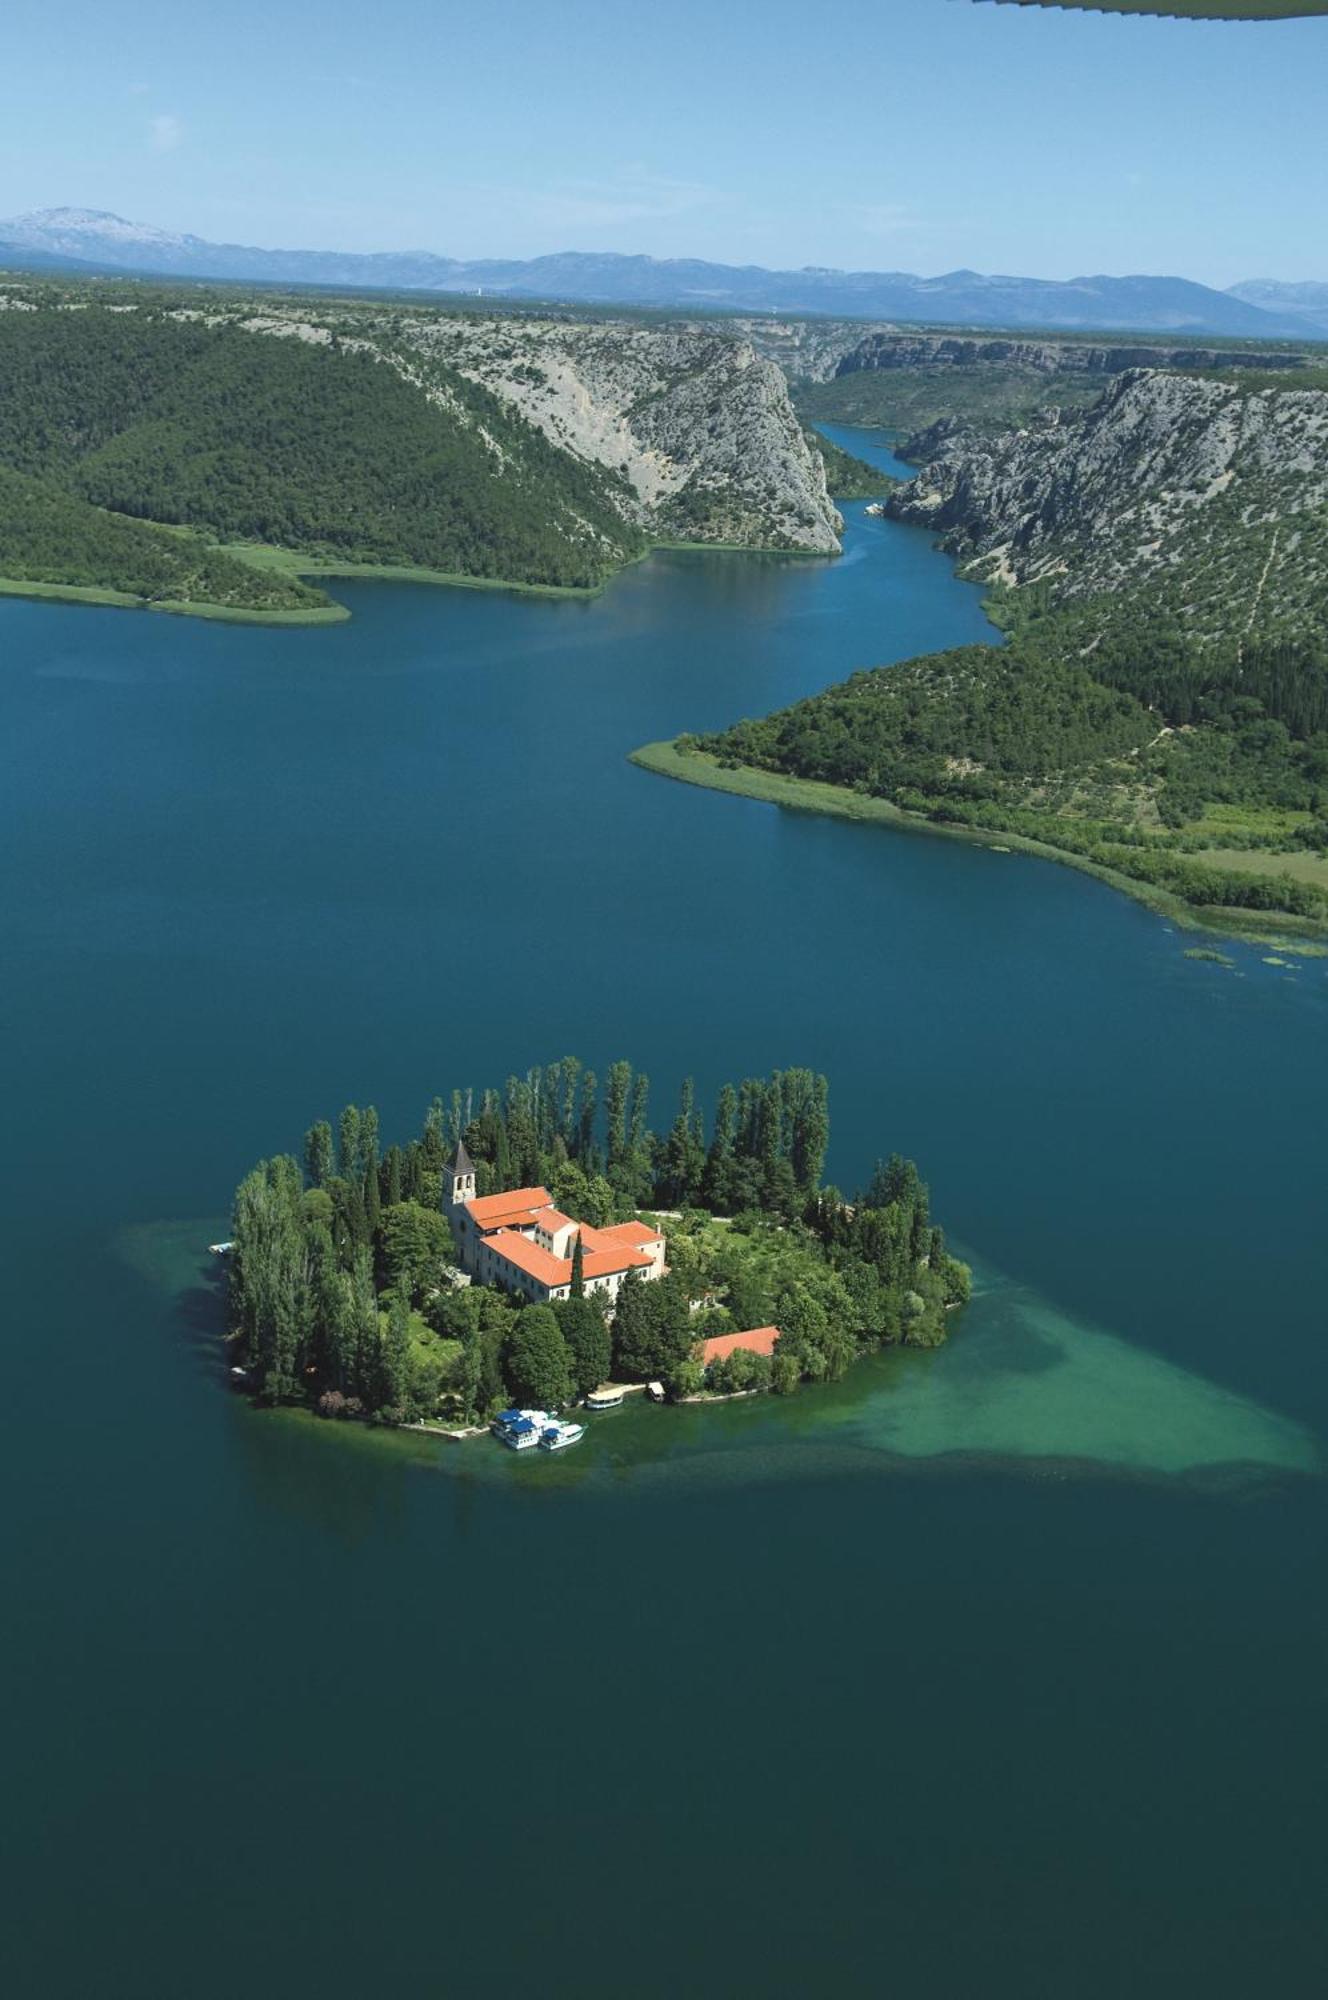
{"points": [[522, 1243]]}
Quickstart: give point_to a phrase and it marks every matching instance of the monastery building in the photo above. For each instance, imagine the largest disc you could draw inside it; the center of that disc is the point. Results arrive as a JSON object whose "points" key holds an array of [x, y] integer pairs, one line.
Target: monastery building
{"points": [[521, 1242]]}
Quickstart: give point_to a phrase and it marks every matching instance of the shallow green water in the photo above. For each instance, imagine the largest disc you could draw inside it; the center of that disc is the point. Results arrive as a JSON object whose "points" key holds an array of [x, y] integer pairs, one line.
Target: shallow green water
{"points": [[998, 1670]]}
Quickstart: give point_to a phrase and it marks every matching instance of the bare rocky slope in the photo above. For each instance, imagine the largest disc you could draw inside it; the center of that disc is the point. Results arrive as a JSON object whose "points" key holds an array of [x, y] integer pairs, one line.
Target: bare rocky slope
{"points": [[699, 426], [905, 380], [1211, 494], [676, 433], [818, 351]]}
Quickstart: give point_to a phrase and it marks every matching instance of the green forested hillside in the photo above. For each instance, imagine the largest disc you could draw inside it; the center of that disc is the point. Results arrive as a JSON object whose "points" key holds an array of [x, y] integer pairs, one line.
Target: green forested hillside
{"points": [[1160, 565], [906, 400], [935, 723], [1202, 773], [51, 537], [846, 476], [312, 445]]}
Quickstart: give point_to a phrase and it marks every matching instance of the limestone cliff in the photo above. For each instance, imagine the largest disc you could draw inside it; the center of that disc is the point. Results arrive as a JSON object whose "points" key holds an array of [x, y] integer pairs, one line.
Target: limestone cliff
{"points": [[670, 432], [699, 427], [1212, 493], [818, 351]]}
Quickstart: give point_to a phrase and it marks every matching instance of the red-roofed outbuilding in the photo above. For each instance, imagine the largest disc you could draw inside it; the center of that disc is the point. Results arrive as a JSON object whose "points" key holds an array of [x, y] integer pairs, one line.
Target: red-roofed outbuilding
{"points": [[758, 1340]]}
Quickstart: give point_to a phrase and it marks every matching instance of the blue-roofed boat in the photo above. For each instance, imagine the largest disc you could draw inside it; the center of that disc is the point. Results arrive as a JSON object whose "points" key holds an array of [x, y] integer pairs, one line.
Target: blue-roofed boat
{"points": [[521, 1430]]}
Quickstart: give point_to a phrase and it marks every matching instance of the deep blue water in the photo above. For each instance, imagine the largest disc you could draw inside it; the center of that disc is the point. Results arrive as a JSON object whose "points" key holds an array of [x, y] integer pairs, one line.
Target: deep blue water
{"points": [[302, 1714]]}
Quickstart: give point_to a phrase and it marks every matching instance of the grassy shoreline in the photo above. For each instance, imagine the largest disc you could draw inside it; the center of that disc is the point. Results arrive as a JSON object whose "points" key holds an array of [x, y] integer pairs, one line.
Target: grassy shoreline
{"points": [[123, 600], [810, 795], [290, 562]]}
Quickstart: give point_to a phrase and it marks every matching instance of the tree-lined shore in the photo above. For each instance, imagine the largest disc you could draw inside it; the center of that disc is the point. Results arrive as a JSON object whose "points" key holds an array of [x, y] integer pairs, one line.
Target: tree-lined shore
{"points": [[343, 1292]]}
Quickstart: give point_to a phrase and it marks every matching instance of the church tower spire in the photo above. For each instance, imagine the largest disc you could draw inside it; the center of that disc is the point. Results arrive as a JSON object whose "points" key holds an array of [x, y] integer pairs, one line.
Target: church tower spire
{"points": [[458, 1180]]}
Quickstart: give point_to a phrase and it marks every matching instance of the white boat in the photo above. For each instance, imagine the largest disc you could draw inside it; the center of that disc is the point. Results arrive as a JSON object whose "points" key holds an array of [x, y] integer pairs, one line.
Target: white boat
{"points": [[655, 1391], [220, 1249], [605, 1399], [521, 1430], [558, 1435]]}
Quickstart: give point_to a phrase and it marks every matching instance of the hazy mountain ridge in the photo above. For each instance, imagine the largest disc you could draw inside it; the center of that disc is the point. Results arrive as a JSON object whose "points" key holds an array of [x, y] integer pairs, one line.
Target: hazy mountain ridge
{"points": [[1307, 299], [963, 297]]}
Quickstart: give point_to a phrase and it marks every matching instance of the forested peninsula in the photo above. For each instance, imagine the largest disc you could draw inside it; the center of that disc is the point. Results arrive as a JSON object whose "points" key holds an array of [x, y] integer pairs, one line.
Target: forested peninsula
{"points": [[346, 1293], [1159, 711], [212, 453]]}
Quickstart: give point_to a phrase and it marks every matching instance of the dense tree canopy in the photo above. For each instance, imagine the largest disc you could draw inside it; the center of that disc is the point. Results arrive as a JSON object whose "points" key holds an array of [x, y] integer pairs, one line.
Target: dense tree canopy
{"points": [[342, 1277], [1103, 728], [318, 446]]}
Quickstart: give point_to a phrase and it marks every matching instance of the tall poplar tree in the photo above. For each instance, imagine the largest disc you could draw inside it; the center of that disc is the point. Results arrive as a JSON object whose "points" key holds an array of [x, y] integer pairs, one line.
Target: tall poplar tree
{"points": [[394, 1367], [369, 1140], [348, 1144], [615, 1111], [716, 1181], [318, 1154]]}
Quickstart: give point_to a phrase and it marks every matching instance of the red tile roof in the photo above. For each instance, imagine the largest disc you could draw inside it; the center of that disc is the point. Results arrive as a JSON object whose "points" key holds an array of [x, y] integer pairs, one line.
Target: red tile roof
{"points": [[759, 1340], [603, 1263], [494, 1211], [635, 1233], [552, 1271], [551, 1220], [530, 1258]]}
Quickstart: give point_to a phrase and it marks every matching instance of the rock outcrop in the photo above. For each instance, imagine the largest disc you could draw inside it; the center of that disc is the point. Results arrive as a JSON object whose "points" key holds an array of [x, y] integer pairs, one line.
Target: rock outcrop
{"points": [[699, 427], [1215, 494], [1046, 357], [684, 431], [825, 350]]}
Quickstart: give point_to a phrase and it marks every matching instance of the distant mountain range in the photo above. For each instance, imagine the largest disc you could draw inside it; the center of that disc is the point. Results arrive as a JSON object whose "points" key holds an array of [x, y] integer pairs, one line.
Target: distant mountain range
{"points": [[81, 240], [1308, 301]]}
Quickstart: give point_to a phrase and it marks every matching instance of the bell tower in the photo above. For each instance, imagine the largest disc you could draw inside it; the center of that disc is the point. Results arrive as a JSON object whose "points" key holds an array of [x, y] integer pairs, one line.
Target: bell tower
{"points": [[459, 1180], [458, 1193]]}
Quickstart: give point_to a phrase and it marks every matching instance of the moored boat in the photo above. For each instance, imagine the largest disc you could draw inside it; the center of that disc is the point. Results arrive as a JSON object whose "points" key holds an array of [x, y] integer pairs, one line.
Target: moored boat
{"points": [[521, 1430], [558, 1435], [605, 1399]]}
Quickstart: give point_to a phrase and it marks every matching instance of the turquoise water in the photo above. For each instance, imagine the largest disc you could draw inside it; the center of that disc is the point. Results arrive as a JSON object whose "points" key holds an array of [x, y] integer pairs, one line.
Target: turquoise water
{"points": [[997, 1670]]}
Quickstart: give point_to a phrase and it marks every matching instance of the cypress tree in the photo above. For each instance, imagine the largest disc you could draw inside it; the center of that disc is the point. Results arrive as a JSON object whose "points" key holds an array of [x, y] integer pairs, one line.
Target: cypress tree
{"points": [[578, 1269], [640, 1134], [806, 1100], [348, 1144], [318, 1160], [584, 1150], [367, 1341], [589, 1346], [394, 1368], [919, 1228], [339, 1332], [717, 1177], [369, 1140], [571, 1073], [615, 1111]]}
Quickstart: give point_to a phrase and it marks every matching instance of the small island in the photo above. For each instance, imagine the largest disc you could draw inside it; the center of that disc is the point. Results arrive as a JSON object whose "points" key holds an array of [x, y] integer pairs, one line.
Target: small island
{"points": [[533, 1245]]}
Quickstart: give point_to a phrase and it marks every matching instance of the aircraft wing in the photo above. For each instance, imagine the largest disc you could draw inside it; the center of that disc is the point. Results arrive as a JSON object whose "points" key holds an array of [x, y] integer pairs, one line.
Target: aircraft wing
{"points": [[1191, 10]]}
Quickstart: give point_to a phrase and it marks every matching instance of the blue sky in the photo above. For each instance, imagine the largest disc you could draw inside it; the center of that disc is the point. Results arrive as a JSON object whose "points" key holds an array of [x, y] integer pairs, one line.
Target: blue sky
{"points": [[901, 134]]}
